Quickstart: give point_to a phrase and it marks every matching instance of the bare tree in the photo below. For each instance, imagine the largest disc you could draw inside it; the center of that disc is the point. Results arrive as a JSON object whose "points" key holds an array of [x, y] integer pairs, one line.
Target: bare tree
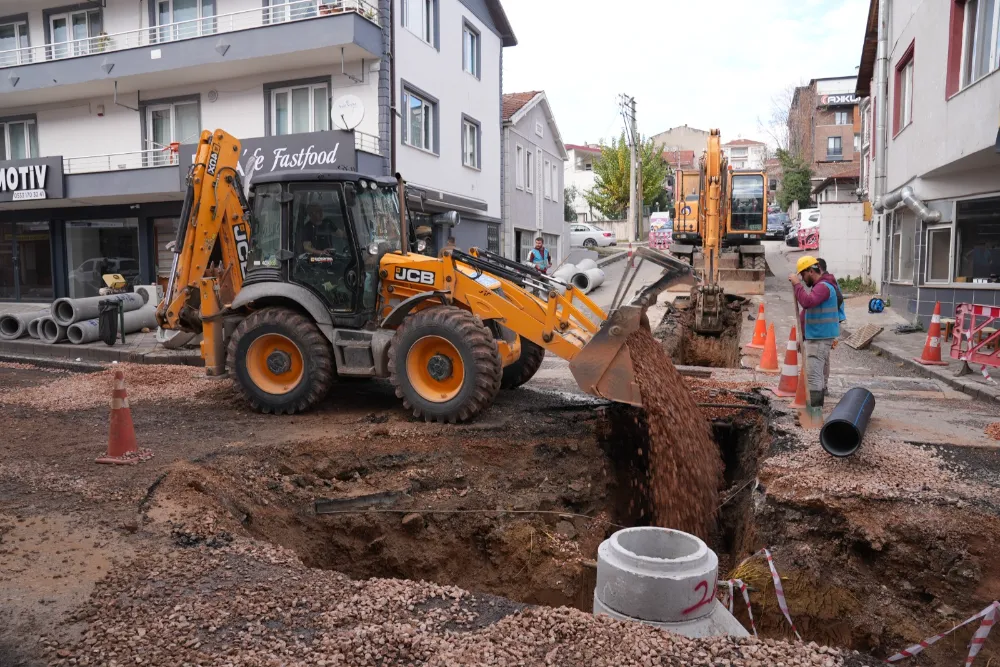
{"points": [[787, 124]]}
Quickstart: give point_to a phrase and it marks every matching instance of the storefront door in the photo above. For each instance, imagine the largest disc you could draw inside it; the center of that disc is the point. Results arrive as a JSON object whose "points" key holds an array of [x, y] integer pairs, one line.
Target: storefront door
{"points": [[25, 261]]}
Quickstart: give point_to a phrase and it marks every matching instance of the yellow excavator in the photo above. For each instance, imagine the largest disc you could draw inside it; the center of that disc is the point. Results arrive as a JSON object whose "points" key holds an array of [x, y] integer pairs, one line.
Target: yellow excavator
{"points": [[731, 222], [315, 275]]}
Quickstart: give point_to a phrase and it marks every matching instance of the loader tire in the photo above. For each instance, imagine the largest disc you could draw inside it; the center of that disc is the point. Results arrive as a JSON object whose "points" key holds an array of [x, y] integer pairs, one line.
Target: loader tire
{"points": [[282, 362], [525, 367], [444, 364]]}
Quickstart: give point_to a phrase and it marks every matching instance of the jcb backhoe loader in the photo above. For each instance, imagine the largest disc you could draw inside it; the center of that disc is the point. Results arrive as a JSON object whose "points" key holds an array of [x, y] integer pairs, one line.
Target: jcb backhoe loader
{"points": [[732, 219], [313, 276]]}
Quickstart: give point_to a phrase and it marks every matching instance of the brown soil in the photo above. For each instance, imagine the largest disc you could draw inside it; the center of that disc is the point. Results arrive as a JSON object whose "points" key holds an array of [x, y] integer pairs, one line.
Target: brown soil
{"points": [[687, 348]]}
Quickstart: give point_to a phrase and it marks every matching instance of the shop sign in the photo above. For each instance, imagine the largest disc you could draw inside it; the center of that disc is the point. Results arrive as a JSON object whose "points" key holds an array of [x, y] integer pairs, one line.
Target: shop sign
{"points": [[36, 178], [308, 152], [845, 99]]}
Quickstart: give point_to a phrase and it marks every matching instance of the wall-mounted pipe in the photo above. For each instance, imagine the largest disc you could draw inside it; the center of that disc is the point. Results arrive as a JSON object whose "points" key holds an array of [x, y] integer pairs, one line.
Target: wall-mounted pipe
{"points": [[15, 325], [905, 195], [881, 97], [845, 428]]}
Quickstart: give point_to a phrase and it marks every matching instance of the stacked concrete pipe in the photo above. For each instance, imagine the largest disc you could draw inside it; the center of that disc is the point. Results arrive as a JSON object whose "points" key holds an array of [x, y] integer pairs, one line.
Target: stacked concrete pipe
{"points": [[565, 273], [50, 331], [15, 325], [664, 578], [87, 331], [589, 280], [33, 327], [68, 311], [585, 265]]}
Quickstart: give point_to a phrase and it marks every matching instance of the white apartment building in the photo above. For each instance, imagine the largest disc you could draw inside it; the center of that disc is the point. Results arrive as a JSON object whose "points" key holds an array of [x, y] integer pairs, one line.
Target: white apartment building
{"points": [[579, 174], [746, 154], [929, 123], [106, 97]]}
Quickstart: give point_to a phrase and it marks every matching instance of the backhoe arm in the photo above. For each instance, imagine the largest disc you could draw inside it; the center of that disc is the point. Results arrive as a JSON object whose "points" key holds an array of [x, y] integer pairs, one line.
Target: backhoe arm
{"points": [[214, 209]]}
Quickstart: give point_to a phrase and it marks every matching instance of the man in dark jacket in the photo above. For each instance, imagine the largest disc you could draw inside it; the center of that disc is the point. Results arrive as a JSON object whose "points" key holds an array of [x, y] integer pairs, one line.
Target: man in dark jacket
{"points": [[820, 324]]}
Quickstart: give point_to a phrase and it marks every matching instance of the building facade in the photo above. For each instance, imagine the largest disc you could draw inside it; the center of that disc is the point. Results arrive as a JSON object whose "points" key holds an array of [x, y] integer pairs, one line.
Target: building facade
{"points": [[824, 126], [746, 154], [534, 159], [682, 138], [931, 114], [100, 102], [579, 175]]}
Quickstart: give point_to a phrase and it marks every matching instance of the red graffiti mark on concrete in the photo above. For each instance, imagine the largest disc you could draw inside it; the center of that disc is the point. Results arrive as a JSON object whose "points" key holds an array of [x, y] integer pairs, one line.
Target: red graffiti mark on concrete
{"points": [[706, 597]]}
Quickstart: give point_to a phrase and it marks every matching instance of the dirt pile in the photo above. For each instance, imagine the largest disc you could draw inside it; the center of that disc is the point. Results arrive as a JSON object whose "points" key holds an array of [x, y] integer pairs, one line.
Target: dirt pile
{"points": [[685, 467], [993, 430], [255, 604]]}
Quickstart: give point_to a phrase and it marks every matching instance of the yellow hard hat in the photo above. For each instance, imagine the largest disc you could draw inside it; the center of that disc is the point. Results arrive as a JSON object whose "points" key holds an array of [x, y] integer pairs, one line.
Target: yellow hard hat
{"points": [[805, 262]]}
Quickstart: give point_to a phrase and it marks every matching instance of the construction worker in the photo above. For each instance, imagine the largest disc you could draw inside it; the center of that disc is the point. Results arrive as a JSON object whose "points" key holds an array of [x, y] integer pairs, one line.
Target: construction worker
{"points": [[829, 278], [539, 256], [820, 323]]}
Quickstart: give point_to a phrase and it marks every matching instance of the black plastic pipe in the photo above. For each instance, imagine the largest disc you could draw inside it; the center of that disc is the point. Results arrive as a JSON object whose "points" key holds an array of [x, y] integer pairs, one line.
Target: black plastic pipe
{"points": [[842, 433]]}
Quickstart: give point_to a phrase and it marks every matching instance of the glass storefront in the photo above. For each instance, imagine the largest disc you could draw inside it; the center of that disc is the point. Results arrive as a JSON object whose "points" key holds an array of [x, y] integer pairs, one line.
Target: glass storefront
{"points": [[97, 247], [164, 232], [25, 261]]}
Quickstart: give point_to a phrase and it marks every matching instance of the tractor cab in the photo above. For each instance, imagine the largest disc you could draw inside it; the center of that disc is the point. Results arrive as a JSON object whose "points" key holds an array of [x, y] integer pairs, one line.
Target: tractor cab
{"points": [[325, 232]]}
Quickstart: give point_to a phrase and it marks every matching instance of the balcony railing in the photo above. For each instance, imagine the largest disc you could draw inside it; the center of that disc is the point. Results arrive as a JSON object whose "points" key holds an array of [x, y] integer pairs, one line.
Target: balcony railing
{"points": [[165, 156], [298, 10]]}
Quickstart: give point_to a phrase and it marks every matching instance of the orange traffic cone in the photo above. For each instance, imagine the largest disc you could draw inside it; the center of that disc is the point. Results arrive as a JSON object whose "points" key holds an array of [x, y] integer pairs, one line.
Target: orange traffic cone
{"points": [[122, 449], [759, 331], [801, 392], [931, 355], [789, 370], [769, 360]]}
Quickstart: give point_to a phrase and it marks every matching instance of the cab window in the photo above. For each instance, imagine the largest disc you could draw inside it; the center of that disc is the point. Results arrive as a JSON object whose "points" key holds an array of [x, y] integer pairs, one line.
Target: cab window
{"points": [[325, 257]]}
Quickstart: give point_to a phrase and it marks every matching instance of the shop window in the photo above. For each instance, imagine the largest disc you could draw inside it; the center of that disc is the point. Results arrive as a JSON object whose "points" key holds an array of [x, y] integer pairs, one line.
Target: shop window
{"points": [[97, 247], [903, 229], [164, 232], [939, 254], [977, 235], [18, 139], [493, 238]]}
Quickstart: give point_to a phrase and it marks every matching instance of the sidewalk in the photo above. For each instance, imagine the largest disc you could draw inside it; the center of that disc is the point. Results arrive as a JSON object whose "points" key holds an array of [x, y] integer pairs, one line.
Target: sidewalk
{"points": [[140, 348], [908, 347]]}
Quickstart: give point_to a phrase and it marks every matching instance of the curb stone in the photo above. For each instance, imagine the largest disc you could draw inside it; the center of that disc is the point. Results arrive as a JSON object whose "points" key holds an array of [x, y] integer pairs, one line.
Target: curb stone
{"points": [[612, 259], [973, 389]]}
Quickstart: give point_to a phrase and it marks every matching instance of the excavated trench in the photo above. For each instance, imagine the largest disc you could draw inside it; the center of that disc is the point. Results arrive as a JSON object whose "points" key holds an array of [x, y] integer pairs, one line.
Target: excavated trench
{"points": [[688, 348]]}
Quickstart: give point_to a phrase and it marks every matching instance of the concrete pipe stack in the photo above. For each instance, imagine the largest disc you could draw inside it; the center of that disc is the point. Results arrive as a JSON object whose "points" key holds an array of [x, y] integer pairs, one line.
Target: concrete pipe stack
{"points": [[140, 313], [664, 578], [16, 325], [588, 280]]}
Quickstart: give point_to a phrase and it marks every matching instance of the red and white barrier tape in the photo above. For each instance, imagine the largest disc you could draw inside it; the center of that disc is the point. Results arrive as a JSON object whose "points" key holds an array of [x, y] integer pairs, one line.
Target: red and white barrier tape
{"points": [[746, 598], [782, 603], [989, 618]]}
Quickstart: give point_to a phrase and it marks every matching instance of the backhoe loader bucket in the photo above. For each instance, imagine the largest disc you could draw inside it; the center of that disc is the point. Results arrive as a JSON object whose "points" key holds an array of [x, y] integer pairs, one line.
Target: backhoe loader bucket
{"points": [[604, 367]]}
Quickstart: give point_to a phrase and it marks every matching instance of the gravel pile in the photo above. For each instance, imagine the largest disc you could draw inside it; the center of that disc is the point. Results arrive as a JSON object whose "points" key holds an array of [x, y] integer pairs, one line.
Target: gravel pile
{"points": [[236, 602], [882, 469], [993, 430], [685, 467], [153, 382]]}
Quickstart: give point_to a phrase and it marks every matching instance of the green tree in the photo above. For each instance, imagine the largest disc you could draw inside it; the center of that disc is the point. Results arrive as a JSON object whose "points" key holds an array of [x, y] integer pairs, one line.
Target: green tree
{"points": [[795, 184], [569, 197], [610, 194]]}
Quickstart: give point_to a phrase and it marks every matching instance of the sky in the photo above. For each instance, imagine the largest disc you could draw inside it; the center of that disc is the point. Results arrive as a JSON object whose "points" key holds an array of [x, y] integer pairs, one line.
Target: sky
{"points": [[738, 57]]}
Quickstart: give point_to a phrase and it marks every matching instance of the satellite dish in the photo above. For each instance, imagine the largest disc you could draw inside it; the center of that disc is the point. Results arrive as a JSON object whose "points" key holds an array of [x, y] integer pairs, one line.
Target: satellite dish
{"points": [[347, 112]]}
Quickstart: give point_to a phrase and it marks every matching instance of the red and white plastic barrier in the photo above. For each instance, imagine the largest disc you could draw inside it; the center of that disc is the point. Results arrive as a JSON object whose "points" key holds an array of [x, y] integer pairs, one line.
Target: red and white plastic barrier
{"points": [[970, 322], [988, 615]]}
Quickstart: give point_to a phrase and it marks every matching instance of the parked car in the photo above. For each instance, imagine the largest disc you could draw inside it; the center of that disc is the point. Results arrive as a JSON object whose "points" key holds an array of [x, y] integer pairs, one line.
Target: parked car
{"points": [[783, 218], [792, 237], [775, 228], [589, 236]]}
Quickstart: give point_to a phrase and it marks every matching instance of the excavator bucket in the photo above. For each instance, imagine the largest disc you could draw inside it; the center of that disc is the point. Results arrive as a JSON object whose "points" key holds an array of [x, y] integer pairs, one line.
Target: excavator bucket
{"points": [[604, 367]]}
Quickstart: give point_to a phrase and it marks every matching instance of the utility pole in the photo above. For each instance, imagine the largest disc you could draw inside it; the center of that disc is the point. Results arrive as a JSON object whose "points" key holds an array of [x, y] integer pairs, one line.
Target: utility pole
{"points": [[632, 126]]}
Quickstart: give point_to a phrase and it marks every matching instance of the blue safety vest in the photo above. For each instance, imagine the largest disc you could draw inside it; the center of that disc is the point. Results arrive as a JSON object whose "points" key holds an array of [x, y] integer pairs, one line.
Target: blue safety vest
{"points": [[823, 321], [541, 259]]}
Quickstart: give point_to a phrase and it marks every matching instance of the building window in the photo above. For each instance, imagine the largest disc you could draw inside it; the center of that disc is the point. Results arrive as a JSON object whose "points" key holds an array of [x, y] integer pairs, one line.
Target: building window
{"points": [[539, 129], [470, 143], [903, 99], [547, 180], [18, 139], [834, 148], [979, 40], [738, 152], [555, 182], [840, 118], [279, 11], [903, 229], [529, 171], [297, 109], [519, 167], [470, 50], [857, 143], [419, 122], [938, 254], [493, 238], [419, 18], [166, 124], [589, 166], [183, 19], [14, 36], [71, 33], [977, 237], [551, 242]]}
